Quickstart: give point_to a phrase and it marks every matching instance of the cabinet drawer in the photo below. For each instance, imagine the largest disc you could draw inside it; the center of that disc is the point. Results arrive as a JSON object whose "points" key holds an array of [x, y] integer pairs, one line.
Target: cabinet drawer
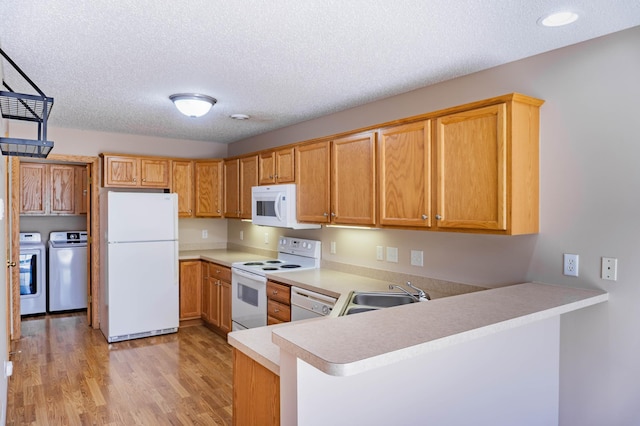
{"points": [[279, 292], [271, 320], [278, 310], [219, 272]]}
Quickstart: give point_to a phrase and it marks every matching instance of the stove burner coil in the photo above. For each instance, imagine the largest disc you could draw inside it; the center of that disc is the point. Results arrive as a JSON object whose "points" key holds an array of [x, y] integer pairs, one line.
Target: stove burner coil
{"points": [[290, 266]]}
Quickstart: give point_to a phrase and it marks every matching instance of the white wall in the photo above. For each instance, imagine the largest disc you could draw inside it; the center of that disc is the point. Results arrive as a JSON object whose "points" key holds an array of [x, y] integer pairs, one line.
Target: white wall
{"points": [[590, 204]]}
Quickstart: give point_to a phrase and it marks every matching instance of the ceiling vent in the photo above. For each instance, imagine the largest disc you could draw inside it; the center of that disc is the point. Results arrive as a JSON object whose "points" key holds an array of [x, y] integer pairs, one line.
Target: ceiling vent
{"points": [[24, 107]]}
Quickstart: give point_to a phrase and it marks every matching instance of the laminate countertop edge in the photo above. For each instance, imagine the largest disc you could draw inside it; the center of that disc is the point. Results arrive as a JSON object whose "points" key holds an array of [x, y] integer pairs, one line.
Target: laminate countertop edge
{"points": [[353, 344]]}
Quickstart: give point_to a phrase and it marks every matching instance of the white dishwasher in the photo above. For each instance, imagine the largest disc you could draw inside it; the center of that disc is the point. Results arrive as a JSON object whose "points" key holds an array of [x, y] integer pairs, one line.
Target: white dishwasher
{"points": [[67, 271], [309, 304]]}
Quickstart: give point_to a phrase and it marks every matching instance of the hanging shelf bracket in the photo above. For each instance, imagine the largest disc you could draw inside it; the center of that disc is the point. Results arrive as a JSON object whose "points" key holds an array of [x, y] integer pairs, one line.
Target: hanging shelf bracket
{"points": [[25, 107]]}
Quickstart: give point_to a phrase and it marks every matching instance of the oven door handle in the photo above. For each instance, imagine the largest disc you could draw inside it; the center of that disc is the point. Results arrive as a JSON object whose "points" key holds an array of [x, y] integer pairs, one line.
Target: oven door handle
{"points": [[249, 276]]}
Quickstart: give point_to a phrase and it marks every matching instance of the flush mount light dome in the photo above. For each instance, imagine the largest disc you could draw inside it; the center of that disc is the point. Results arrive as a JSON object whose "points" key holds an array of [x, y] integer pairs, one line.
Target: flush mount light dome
{"points": [[239, 116], [558, 19], [193, 104]]}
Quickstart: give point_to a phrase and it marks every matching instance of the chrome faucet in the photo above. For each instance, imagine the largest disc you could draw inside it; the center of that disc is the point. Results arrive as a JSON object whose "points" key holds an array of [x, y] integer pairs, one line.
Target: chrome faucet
{"points": [[421, 294]]}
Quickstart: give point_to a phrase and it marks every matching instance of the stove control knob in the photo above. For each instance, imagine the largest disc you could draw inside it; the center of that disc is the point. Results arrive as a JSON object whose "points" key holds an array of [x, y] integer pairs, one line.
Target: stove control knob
{"points": [[325, 310]]}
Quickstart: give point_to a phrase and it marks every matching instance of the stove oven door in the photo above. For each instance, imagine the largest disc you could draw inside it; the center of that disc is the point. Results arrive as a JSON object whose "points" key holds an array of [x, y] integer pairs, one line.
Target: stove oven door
{"points": [[248, 299]]}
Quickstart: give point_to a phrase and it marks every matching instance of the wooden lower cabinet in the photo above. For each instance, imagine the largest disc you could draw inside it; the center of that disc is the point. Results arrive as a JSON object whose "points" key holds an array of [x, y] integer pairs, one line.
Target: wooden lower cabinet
{"points": [[216, 297], [278, 303], [190, 290], [256, 392]]}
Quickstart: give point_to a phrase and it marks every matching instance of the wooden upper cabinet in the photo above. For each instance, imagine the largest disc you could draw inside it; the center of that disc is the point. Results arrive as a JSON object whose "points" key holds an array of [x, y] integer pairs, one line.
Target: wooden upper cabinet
{"points": [[277, 166], [62, 189], [488, 168], [248, 179], [33, 188], [208, 188], [313, 174], [405, 175], [135, 172], [232, 188], [182, 184], [471, 169], [353, 180], [53, 189]]}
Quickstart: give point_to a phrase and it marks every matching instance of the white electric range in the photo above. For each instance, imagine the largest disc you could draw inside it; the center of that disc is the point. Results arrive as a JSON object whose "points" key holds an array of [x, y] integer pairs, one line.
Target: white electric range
{"points": [[249, 282]]}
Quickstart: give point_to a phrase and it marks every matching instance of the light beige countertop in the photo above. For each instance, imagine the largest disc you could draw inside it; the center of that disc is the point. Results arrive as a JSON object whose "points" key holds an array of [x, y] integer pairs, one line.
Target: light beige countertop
{"points": [[222, 256], [352, 344]]}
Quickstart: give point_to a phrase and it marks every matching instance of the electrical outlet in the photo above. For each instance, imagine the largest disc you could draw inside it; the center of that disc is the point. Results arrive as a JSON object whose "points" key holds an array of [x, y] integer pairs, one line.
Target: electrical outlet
{"points": [[417, 257], [333, 247], [571, 264], [205, 234], [379, 253], [241, 235], [266, 238], [609, 268], [392, 254]]}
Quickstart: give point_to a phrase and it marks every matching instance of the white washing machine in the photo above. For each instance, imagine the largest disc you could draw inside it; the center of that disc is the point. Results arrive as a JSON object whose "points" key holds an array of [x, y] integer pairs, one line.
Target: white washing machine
{"points": [[33, 264], [67, 270]]}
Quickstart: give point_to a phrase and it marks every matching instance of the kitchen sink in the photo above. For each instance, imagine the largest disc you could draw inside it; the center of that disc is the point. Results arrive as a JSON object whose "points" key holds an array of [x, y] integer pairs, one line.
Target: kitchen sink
{"points": [[370, 301], [381, 300]]}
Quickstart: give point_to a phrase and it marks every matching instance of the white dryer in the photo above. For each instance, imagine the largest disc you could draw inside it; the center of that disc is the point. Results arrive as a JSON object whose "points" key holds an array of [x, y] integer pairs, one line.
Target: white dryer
{"points": [[67, 270], [33, 264]]}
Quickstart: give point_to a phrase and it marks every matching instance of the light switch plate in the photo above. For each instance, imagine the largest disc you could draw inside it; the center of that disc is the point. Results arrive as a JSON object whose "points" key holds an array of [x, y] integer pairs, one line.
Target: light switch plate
{"points": [[379, 253], [417, 258], [392, 254]]}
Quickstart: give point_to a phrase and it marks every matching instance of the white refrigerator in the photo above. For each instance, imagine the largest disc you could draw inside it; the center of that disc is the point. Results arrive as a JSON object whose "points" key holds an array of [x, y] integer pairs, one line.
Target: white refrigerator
{"points": [[139, 262]]}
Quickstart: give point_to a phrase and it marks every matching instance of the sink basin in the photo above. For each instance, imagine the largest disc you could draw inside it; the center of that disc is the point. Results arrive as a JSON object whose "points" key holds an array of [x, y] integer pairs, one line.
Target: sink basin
{"points": [[381, 300], [371, 301], [354, 310]]}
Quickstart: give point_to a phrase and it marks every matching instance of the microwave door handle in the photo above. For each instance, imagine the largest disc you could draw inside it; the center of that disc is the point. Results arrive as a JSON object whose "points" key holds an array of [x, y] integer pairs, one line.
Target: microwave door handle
{"points": [[278, 205]]}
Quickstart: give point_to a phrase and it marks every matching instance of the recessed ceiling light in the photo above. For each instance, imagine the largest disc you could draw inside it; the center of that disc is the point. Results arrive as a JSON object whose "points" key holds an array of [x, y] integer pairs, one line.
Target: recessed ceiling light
{"points": [[239, 116], [558, 19]]}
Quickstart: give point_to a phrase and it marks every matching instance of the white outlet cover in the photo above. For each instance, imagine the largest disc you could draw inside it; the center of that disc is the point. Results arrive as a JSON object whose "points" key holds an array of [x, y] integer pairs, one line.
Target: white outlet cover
{"points": [[417, 258], [571, 264], [609, 269], [379, 253], [392, 254]]}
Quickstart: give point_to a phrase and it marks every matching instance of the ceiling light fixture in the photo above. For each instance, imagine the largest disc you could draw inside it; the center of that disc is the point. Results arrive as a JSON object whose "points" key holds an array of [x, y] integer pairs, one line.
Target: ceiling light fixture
{"points": [[558, 19], [193, 104], [239, 116]]}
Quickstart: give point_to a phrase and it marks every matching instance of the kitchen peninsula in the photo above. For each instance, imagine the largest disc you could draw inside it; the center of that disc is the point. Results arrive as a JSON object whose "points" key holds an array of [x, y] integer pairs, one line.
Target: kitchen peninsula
{"points": [[491, 354]]}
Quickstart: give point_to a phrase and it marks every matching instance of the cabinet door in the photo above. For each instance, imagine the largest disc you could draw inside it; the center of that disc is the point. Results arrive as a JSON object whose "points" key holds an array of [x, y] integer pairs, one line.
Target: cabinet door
{"points": [[353, 180], [248, 179], [471, 169], [154, 173], [33, 187], [190, 289], [267, 168], [256, 392], [284, 165], [81, 189], [405, 175], [182, 184], [208, 188], [231, 188], [312, 169], [120, 171], [225, 306], [61, 189], [206, 292]]}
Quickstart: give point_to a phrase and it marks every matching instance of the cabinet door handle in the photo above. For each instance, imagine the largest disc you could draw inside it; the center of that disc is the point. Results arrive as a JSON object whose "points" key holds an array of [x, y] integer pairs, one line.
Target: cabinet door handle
{"points": [[11, 264], [333, 214], [325, 214], [276, 310], [135, 179], [275, 292], [438, 217], [425, 217]]}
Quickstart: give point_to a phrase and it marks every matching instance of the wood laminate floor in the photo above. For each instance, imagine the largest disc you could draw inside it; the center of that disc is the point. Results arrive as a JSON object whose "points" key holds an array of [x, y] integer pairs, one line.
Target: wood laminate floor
{"points": [[66, 373]]}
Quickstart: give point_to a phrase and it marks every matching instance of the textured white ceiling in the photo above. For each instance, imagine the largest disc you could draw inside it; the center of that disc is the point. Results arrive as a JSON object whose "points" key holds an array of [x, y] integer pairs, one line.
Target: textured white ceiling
{"points": [[111, 65]]}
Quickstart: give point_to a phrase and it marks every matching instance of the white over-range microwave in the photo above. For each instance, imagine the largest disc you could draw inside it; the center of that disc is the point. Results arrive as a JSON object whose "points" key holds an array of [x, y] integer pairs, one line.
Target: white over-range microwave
{"points": [[275, 205]]}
